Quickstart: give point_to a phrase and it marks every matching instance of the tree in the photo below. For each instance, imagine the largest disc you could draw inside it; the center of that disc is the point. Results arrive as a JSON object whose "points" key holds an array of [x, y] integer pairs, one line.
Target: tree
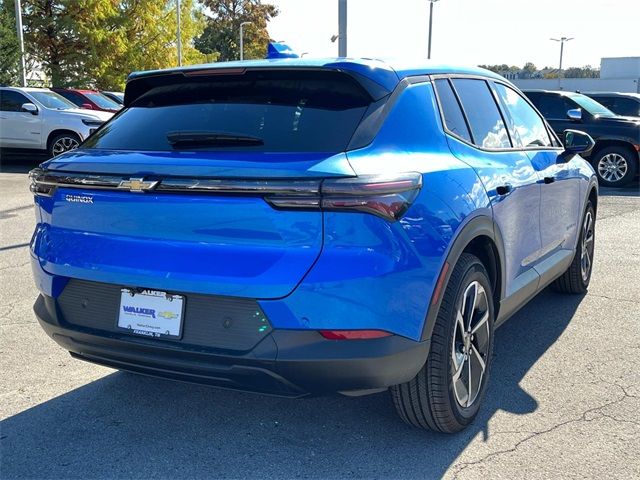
{"points": [[52, 38], [582, 72], [220, 39], [97, 43], [124, 36], [9, 46]]}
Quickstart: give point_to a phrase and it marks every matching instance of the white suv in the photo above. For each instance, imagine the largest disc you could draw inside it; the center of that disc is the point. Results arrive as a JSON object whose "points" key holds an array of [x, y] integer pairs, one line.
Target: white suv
{"points": [[39, 119]]}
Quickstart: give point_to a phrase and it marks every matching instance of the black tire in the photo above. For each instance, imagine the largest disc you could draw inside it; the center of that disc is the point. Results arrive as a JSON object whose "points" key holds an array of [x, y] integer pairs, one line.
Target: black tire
{"points": [[626, 159], [574, 280], [67, 140], [430, 399]]}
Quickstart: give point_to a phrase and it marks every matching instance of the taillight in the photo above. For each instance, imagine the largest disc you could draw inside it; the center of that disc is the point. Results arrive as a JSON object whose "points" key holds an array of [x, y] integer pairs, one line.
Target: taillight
{"points": [[353, 334], [386, 196]]}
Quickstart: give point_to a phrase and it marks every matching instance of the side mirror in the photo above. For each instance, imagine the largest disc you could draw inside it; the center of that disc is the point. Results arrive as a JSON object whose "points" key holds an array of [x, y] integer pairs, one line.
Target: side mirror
{"points": [[575, 114], [576, 141], [87, 106], [30, 108]]}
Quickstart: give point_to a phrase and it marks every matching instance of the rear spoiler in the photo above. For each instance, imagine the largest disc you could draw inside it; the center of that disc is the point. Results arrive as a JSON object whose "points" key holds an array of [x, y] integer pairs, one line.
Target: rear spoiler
{"points": [[140, 83]]}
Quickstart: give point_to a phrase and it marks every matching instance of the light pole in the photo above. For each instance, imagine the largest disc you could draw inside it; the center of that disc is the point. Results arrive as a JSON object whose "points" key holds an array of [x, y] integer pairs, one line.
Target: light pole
{"points": [[242, 39], [342, 28], [431, 2], [23, 68], [179, 34], [562, 40]]}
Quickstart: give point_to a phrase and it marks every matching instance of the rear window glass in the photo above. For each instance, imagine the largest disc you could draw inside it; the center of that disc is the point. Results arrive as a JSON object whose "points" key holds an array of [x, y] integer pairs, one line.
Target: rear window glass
{"points": [[453, 118], [305, 111], [482, 113]]}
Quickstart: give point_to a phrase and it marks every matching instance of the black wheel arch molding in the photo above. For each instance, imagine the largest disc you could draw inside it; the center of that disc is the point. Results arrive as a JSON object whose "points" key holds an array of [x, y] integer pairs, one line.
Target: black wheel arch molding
{"points": [[474, 234]]}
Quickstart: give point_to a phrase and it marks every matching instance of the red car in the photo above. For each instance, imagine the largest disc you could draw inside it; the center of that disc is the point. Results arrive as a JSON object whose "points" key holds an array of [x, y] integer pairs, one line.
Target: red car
{"points": [[89, 99]]}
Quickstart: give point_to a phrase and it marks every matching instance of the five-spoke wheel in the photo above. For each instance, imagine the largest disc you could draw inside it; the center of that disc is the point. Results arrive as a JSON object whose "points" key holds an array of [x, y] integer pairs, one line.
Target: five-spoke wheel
{"points": [[470, 344]]}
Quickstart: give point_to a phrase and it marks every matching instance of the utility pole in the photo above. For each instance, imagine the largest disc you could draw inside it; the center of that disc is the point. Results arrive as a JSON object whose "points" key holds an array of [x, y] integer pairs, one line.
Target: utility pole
{"points": [[242, 39], [23, 67], [431, 2], [342, 28], [179, 34]]}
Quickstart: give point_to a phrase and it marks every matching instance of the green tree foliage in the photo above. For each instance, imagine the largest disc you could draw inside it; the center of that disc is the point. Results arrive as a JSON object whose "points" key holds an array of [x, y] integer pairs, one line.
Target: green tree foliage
{"points": [[582, 72], [97, 43], [9, 47], [220, 39], [124, 36]]}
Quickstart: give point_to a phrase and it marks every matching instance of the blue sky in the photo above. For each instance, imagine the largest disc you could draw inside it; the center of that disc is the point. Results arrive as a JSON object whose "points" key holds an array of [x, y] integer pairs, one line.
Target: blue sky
{"points": [[466, 31]]}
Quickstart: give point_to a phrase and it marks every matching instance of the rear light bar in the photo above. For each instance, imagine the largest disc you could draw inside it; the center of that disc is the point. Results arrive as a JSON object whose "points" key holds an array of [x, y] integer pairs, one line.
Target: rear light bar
{"points": [[387, 196], [353, 334]]}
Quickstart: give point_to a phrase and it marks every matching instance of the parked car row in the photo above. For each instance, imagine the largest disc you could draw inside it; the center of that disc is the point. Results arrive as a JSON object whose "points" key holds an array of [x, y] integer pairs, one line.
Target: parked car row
{"points": [[89, 99], [616, 154], [41, 119]]}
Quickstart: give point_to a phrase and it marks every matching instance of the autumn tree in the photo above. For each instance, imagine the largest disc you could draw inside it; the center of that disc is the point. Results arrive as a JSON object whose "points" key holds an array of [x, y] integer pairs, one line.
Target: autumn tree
{"points": [[220, 39], [97, 43], [124, 36]]}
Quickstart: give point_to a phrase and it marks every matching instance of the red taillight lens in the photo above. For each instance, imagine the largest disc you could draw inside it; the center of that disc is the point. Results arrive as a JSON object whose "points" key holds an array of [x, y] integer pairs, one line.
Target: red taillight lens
{"points": [[353, 334], [388, 197]]}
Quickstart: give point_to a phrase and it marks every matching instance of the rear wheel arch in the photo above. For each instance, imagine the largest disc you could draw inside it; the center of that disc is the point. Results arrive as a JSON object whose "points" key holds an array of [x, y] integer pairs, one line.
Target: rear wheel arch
{"points": [[593, 197], [480, 237]]}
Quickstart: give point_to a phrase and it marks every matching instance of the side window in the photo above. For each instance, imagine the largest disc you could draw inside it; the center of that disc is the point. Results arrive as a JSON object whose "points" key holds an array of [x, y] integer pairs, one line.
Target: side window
{"points": [[608, 102], [627, 106], [451, 111], [484, 118], [11, 101], [552, 106], [72, 97], [526, 127]]}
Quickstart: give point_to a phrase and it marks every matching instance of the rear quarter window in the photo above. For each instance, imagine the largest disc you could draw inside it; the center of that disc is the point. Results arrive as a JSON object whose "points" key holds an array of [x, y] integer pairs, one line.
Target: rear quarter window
{"points": [[288, 111]]}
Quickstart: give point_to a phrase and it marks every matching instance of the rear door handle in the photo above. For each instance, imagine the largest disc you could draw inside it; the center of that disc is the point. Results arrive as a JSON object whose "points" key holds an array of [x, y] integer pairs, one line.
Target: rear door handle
{"points": [[504, 189], [549, 180]]}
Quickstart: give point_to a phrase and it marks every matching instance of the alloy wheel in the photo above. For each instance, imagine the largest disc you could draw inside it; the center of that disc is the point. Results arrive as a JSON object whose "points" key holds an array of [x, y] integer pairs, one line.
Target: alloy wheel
{"points": [[64, 144], [588, 236], [612, 167], [470, 344]]}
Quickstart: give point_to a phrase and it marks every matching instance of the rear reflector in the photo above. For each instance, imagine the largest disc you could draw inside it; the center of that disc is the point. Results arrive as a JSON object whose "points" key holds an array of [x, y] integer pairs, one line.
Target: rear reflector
{"points": [[353, 334]]}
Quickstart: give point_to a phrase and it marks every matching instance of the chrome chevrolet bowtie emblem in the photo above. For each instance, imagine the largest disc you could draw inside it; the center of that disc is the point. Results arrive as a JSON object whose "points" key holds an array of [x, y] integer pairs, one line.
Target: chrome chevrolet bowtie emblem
{"points": [[138, 184]]}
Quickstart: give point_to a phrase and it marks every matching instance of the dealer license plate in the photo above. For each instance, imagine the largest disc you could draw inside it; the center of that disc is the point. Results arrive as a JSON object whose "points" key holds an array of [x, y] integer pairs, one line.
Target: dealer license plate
{"points": [[151, 313]]}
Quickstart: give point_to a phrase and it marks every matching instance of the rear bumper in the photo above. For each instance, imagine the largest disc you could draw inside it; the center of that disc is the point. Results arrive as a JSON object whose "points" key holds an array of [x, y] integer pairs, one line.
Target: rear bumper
{"points": [[290, 363]]}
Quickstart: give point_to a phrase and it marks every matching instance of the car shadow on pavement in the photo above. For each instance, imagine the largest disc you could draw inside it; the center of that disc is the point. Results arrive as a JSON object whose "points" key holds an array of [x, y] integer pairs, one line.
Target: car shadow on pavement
{"points": [[126, 426], [11, 162]]}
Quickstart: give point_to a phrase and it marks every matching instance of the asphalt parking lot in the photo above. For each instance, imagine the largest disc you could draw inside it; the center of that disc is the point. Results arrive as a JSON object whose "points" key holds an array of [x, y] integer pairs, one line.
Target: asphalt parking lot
{"points": [[563, 401]]}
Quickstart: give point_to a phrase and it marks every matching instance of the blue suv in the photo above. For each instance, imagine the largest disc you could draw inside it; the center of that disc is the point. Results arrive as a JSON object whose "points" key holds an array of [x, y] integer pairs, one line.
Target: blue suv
{"points": [[297, 227]]}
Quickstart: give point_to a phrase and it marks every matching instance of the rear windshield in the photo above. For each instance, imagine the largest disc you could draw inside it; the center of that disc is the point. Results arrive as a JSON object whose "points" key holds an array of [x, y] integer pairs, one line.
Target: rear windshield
{"points": [[274, 111]]}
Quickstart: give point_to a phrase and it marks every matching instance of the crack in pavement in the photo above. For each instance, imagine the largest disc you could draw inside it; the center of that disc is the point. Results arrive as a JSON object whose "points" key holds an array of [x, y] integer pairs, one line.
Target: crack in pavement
{"points": [[582, 418], [8, 267], [613, 298]]}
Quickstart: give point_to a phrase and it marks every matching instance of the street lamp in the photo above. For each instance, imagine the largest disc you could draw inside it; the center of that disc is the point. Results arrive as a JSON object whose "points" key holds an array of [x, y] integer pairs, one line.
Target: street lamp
{"points": [[562, 40], [242, 39], [179, 33], [23, 68], [431, 2]]}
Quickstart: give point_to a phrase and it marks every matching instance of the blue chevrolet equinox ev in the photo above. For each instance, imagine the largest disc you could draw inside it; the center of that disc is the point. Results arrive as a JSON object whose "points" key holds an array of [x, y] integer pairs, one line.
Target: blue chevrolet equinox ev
{"points": [[297, 227]]}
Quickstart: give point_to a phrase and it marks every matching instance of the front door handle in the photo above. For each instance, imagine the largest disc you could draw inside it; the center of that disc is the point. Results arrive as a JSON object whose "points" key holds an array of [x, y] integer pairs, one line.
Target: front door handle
{"points": [[549, 180], [504, 189]]}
